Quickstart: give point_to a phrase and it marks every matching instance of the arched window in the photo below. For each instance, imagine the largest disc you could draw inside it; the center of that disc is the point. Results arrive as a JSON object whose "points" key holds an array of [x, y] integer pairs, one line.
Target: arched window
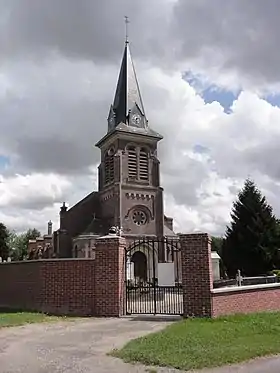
{"points": [[132, 163], [143, 165], [109, 166]]}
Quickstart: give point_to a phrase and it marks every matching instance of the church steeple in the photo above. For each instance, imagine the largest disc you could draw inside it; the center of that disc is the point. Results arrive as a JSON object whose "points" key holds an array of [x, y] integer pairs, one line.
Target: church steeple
{"points": [[128, 106]]}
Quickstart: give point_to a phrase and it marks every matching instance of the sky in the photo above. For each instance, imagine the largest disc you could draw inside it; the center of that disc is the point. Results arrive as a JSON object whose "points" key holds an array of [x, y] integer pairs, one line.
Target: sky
{"points": [[210, 81]]}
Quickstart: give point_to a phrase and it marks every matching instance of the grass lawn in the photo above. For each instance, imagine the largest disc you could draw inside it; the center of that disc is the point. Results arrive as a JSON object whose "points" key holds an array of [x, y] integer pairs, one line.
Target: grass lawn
{"points": [[21, 318], [201, 343]]}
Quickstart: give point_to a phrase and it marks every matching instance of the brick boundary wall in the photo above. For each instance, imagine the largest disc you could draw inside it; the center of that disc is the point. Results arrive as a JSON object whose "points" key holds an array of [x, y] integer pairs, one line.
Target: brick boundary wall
{"points": [[59, 286], [68, 287], [82, 287], [20, 285], [95, 287], [246, 299]]}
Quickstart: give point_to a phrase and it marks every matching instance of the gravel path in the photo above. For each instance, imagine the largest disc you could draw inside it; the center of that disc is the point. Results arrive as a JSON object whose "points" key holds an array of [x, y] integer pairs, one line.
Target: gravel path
{"points": [[262, 365], [80, 346], [77, 346]]}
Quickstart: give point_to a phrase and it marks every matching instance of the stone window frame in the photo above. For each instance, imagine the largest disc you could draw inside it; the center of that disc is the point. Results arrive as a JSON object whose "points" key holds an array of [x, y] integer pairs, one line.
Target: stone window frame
{"points": [[140, 208]]}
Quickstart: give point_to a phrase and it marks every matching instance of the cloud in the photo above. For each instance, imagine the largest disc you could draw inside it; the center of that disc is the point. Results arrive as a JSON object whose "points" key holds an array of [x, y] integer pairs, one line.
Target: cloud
{"points": [[234, 36], [50, 114], [232, 42], [87, 30], [32, 191], [32, 200]]}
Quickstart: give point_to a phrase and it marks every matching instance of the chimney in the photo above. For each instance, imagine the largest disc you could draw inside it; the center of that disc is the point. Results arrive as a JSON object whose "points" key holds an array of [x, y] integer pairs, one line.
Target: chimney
{"points": [[50, 228], [63, 208]]}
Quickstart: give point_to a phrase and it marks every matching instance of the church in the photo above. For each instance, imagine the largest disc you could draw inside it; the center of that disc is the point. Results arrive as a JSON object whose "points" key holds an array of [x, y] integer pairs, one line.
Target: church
{"points": [[129, 193]]}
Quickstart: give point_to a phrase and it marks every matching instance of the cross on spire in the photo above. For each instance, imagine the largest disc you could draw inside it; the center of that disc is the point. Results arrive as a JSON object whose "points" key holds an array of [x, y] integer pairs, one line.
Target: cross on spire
{"points": [[126, 20]]}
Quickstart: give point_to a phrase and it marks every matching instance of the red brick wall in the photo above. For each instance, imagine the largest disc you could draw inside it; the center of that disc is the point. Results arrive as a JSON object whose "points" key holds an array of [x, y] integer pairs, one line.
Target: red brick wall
{"points": [[68, 287], [197, 279], [251, 299], [20, 285], [54, 286]]}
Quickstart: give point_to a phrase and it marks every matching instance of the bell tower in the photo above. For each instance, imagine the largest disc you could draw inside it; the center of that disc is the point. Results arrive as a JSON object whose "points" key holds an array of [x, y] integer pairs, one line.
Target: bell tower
{"points": [[129, 172]]}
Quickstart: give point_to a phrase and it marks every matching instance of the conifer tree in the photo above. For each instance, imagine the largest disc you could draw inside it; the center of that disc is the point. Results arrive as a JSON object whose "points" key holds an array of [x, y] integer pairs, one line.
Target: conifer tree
{"points": [[251, 242], [4, 249]]}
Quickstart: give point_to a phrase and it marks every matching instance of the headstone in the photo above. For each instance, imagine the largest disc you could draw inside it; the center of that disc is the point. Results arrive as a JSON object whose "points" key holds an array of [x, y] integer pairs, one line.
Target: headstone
{"points": [[215, 259], [239, 278]]}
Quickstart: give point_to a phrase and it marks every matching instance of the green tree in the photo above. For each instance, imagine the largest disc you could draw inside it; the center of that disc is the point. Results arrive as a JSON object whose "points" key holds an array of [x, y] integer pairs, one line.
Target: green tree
{"points": [[12, 244], [18, 243], [251, 242], [4, 248], [217, 244]]}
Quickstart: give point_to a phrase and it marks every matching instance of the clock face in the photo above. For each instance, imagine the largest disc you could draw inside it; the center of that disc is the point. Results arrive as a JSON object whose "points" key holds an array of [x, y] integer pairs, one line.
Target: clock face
{"points": [[136, 119], [111, 151], [112, 121]]}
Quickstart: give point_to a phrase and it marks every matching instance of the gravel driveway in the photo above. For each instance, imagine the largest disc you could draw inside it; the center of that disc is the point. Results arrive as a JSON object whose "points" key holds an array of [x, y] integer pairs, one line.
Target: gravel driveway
{"points": [[77, 346], [80, 346]]}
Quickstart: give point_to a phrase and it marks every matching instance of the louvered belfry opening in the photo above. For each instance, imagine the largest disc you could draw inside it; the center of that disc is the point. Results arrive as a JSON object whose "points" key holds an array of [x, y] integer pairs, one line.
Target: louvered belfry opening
{"points": [[109, 168], [143, 165], [138, 163], [132, 163]]}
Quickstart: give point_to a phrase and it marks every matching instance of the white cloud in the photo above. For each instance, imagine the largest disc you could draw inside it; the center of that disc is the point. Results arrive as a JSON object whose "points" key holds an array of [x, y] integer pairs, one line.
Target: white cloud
{"points": [[32, 190], [31, 200]]}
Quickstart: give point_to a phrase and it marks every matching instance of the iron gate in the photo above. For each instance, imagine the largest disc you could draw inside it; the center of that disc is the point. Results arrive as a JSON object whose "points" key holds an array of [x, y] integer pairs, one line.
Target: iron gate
{"points": [[153, 283]]}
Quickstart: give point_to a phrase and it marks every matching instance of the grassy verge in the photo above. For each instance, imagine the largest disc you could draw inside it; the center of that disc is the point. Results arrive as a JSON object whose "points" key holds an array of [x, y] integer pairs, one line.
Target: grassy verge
{"points": [[201, 343], [21, 318]]}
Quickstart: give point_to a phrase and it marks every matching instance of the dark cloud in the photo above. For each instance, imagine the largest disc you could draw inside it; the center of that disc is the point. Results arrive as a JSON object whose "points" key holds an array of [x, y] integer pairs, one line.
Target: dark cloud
{"points": [[238, 35], [181, 173], [36, 203], [235, 35], [83, 29], [53, 121], [265, 157], [56, 155]]}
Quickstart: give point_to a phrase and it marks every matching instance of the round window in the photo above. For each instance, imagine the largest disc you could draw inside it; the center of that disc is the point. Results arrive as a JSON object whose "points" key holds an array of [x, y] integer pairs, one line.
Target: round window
{"points": [[139, 217]]}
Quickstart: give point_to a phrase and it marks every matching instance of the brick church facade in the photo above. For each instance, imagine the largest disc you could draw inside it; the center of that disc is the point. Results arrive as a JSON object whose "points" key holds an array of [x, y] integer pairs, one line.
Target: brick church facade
{"points": [[129, 193]]}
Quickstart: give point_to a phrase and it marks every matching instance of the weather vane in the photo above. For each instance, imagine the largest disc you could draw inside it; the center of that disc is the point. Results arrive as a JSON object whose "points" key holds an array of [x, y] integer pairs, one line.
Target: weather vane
{"points": [[126, 20]]}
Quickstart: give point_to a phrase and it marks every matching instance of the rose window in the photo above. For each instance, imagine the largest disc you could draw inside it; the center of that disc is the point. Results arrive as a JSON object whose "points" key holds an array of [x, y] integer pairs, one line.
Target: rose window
{"points": [[139, 217]]}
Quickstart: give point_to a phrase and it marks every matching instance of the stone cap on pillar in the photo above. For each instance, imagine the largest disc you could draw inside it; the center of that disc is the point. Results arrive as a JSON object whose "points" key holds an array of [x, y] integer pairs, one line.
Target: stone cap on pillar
{"points": [[112, 237], [113, 234], [195, 236]]}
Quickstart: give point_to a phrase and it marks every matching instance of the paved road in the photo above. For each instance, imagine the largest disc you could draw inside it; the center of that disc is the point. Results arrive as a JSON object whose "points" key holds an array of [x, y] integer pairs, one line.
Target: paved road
{"points": [[80, 346]]}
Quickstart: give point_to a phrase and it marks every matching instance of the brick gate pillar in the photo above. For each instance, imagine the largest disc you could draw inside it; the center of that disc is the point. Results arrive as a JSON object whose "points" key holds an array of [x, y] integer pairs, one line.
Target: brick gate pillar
{"points": [[197, 280], [109, 276]]}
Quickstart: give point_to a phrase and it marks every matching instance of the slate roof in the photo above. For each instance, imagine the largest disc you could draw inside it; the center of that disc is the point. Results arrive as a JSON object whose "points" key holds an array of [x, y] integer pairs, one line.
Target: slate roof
{"points": [[127, 96]]}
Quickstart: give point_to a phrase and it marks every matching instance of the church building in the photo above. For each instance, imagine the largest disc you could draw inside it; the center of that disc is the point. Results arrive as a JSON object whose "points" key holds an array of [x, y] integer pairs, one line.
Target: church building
{"points": [[129, 193]]}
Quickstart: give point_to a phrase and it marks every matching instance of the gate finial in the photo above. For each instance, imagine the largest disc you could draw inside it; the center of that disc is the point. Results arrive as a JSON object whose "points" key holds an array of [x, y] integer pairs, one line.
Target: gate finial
{"points": [[113, 231]]}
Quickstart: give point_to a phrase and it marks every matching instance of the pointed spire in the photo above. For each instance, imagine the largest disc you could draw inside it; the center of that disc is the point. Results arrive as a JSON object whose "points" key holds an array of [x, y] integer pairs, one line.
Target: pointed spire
{"points": [[127, 107]]}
